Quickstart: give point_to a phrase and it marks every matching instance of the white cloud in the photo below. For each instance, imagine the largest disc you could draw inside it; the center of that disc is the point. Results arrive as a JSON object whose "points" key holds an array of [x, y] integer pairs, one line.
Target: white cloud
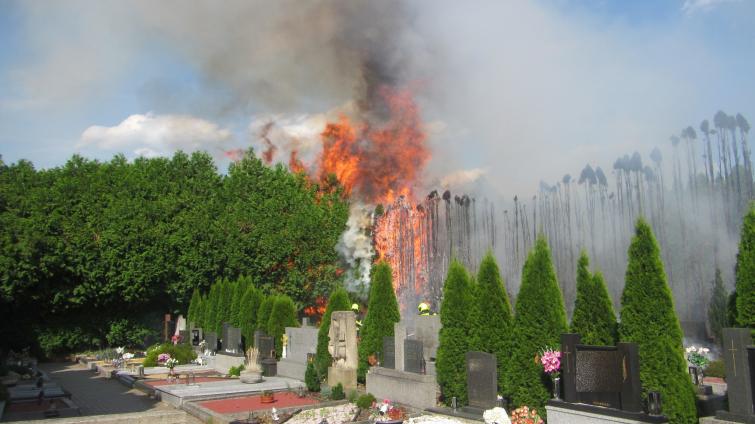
{"points": [[155, 135], [691, 6], [462, 178]]}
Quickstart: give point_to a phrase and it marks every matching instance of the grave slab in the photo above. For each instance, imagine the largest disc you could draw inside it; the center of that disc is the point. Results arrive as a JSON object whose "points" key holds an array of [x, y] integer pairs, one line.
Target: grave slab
{"points": [[177, 394], [577, 413], [415, 390]]}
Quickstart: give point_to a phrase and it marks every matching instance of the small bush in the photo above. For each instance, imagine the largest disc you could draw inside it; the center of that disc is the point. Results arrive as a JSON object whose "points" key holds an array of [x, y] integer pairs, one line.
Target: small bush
{"points": [[183, 352], [715, 369], [337, 392], [311, 378], [236, 371], [365, 401], [124, 332]]}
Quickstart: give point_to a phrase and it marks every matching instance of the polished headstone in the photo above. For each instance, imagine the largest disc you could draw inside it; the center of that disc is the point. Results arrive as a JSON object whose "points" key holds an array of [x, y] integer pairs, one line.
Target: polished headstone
{"points": [[738, 374], [212, 341], [413, 356], [482, 380]]}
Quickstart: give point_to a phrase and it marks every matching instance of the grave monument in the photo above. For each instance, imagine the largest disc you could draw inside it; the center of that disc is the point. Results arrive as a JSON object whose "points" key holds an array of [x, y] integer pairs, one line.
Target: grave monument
{"points": [[301, 341], [343, 348], [739, 360]]}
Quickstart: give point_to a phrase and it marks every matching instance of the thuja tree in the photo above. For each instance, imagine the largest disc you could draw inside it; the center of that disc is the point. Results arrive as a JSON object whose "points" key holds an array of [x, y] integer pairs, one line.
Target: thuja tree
{"points": [[263, 314], [745, 272], [282, 315], [211, 310], [194, 305], [239, 290], [717, 309], [648, 319], [593, 317], [247, 318], [339, 301], [453, 342], [494, 316], [539, 321], [382, 313]]}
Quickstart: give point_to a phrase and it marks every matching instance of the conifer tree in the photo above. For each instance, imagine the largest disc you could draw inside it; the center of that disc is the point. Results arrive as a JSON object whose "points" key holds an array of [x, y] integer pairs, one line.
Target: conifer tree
{"points": [[191, 314], [717, 309], [211, 310], [745, 272], [539, 321], [593, 318], [226, 303], [263, 314], [494, 314], [282, 315], [648, 319], [239, 290], [454, 338], [201, 304], [382, 313], [250, 304], [339, 301]]}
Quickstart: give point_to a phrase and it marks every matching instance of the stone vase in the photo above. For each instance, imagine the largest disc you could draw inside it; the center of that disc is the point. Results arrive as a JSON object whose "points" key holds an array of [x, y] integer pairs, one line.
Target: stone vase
{"points": [[250, 377]]}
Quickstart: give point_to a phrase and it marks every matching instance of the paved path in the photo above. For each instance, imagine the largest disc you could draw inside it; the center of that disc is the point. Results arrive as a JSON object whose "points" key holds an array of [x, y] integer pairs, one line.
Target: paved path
{"points": [[97, 395]]}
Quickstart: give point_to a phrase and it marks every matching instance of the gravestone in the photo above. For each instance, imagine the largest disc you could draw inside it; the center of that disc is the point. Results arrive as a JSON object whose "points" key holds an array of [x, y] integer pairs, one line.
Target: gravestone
{"points": [[300, 342], [342, 346], [751, 360], [606, 376], [482, 381], [212, 341], [413, 356], [399, 335], [427, 329], [738, 362], [389, 352], [184, 336], [264, 343], [196, 336], [232, 340]]}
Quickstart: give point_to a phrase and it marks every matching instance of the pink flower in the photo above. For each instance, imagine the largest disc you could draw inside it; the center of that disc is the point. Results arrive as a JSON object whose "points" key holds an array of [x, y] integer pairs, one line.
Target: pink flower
{"points": [[551, 360], [163, 357]]}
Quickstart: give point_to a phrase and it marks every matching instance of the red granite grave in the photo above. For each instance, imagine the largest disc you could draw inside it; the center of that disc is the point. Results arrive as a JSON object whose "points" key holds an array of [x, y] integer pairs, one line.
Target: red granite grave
{"points": [[253, 403]]}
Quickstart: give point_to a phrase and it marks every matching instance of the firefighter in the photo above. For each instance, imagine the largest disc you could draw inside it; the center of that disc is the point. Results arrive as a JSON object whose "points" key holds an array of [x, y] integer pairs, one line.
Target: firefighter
{"points": [[355, 309], [424, 309]]}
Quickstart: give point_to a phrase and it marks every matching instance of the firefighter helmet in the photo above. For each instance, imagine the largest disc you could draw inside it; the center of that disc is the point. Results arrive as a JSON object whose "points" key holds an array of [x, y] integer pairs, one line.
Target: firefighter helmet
{"points": [[423, 308]]}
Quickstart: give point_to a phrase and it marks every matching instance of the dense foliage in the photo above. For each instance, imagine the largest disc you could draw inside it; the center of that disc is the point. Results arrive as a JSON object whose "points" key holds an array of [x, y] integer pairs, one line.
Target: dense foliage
{"points": [[250, 304], [339, 301], [745, 272], [312, 378], [593, 319], [539, 321], [118, 239], [382, 314], [263, 313], [648, 319], [495, 323], [282, 315], [453, 342], [717, 309]]}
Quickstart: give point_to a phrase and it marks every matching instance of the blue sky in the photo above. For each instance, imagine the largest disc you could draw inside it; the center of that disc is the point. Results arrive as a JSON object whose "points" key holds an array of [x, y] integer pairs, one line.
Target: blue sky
{"points": [[608, 76]]}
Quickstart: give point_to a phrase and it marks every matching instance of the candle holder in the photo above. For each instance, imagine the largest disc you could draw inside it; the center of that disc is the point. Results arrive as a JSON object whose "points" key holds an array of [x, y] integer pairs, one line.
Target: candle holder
{"points": [[654, 403]]}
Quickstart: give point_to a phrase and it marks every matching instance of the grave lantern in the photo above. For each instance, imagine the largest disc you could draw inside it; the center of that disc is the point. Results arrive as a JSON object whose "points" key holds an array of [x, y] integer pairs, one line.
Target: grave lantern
{"points": [[654, 403]]}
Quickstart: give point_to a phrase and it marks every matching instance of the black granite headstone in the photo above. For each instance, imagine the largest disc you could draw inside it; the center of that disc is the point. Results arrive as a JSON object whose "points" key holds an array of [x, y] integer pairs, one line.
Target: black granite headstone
{"points": [[389, 352], [751, 362], [413, 356], [212, 341], [232, 340], [738, 375], [631, 387], [184, 335], [482, 380], [266, 346], [569, 342], [195, 338]]}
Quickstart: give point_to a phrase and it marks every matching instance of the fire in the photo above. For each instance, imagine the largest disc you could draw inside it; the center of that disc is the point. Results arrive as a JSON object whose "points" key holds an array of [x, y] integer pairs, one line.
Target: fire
{"points": [[378, 162]]}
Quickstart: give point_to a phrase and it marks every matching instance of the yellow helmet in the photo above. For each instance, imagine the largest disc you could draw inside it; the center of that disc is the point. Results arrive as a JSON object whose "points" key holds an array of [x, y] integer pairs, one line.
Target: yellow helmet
{"points": [[355, 307], [423, 308]]}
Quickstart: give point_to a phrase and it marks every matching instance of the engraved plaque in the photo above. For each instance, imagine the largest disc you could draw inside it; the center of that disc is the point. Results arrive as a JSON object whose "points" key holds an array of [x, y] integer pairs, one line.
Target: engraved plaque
{"points": [[389, 352], [482, 380], [598, 371]]}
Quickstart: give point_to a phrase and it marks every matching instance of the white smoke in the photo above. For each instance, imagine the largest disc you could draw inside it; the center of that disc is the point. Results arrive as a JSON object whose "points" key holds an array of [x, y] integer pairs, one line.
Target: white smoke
{"points": [[355, 246]]}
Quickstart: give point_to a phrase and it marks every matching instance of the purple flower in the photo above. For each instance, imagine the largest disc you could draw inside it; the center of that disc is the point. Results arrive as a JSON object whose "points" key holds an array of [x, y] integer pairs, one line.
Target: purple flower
{"points": [[163, 357]]}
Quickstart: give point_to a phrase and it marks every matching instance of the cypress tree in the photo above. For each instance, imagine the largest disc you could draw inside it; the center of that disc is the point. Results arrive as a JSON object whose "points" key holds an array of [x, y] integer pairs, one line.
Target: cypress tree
{"points": [[339, 301], [211, 310], [453, 342], [494, 314], [224, 311], [263, 314], [382, 313], [282, 315], [648, 319], [539, 321], [593, 317], [239, 290], [717, 309], [191, 314], [200, 311], [250, 304], [745, 272]]}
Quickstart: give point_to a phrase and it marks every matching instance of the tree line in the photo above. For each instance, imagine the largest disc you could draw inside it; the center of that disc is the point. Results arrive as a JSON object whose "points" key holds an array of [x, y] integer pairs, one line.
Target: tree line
{"points": [[128, 241]]}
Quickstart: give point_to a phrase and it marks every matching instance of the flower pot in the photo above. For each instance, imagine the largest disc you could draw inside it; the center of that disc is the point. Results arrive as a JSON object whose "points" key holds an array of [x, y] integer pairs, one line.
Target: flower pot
{"points": [[269, 398], [250, 377]]}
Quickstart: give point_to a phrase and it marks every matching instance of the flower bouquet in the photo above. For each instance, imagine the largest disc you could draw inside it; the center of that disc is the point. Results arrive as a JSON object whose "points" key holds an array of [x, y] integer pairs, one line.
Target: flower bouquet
{"points": [[697, 357], [551, 361], [387, 413], [525, 415]]}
